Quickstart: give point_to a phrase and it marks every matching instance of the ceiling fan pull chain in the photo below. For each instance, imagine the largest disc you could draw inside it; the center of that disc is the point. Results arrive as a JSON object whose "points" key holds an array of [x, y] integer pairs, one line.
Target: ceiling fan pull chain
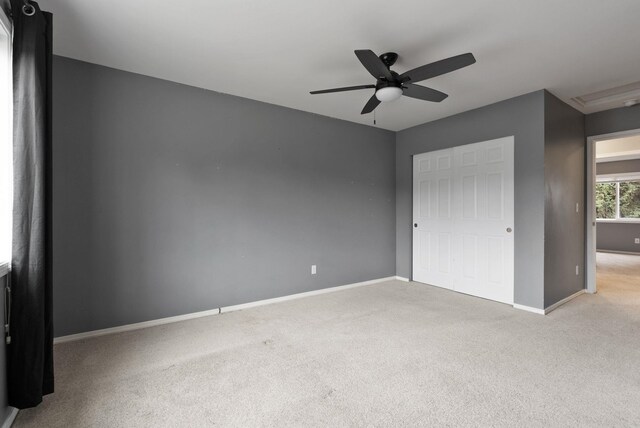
{"points": [[374, 117]]}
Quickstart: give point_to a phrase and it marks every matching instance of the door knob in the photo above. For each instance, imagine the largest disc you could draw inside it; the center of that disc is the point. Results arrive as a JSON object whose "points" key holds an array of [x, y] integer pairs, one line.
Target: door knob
{"points": [[509, 229], [415, 224]]}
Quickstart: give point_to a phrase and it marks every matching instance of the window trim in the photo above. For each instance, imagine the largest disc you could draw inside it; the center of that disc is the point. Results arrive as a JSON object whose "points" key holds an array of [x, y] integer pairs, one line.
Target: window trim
{"points": [[617, 181], [7, 27], [4, 269], [5, 22]]}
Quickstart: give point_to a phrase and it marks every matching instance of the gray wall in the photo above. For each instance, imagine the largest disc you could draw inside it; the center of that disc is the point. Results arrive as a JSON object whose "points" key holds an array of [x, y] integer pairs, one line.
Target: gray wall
{"points": [[522, 117], [564, 173], [617, 236], [614, 120], [618, 167], [170, 199]]}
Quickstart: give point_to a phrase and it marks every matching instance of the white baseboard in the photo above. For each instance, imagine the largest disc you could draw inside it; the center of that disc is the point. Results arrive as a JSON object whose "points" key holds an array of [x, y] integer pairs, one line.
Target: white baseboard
{"points": [[563, 301], [548, 309], [12, 417], [135, 326], [401, 278], [226, 309], [216, 311], [529, 309], [632, 253]]}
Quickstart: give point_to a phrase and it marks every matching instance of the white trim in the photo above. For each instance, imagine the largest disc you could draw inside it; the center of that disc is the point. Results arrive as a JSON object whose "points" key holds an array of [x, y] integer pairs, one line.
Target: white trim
{"points": [[6, 110], [5, 22], [631, 253], [590, 223], [4, 269], [590, 262], [528, 309], [563, 301], [618, 156], [216, 311], [12, 417], [620, 176], [614, 135], [548, 309], [618, 220], [609, 98], [402, 278], [134, 326], [225, 309]]}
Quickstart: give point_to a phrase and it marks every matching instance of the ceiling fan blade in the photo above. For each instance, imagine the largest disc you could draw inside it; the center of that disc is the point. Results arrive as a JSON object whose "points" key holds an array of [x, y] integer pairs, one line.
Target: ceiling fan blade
{"points": [[423, 93], [346, 88], [370, 105], [373, 64], [437, 68]]}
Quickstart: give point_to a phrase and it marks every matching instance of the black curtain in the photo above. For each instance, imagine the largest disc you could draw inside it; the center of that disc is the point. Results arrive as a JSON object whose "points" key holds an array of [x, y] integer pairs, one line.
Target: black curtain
{"points": [[30, 353]]}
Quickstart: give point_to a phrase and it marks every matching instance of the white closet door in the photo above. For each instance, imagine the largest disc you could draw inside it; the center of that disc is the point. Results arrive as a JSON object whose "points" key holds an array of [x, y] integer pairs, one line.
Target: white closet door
{"points": [[463, 210], [483, 218], [432, 218]]}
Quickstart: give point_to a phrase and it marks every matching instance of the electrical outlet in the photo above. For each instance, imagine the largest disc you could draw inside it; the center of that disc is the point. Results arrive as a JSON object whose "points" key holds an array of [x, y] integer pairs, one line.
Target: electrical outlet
{"points": [[637, 240], [313, 269], [577, 270], [577, 207]]}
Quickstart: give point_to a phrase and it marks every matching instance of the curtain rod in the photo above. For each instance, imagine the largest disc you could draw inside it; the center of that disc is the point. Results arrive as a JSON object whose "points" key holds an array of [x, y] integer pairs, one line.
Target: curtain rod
{"points": [[28, 9]]}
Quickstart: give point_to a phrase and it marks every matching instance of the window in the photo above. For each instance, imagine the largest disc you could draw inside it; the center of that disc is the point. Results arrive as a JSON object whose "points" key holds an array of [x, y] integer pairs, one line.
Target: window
{"points": [[618, 200], [629, 198], [6, 140]]}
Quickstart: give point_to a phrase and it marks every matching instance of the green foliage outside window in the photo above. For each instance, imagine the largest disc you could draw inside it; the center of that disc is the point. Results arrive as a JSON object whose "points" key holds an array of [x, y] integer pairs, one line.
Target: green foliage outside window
{"points": [[629, 203], [630, 199], [606, 200]]}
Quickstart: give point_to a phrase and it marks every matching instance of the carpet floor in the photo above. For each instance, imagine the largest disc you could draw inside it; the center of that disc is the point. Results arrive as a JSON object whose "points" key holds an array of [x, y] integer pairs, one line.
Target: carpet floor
{"points": [[391, 354]]}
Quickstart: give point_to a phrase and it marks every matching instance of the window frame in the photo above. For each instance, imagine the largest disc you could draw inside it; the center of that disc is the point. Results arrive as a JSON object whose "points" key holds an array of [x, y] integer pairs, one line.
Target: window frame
{"points": [[6, 28], [617, 180]]}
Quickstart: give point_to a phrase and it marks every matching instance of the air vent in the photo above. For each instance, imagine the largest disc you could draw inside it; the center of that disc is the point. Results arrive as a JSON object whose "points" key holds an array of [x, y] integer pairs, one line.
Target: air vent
{"points": [[626, 95]]}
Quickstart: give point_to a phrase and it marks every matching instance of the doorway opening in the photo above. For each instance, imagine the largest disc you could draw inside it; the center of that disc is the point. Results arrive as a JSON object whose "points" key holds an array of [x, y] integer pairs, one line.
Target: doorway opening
{"points": [[613, 194]]}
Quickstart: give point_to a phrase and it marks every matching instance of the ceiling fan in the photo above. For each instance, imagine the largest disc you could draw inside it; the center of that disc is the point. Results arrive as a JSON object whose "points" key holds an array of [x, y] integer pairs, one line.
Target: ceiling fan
{"points": [[391, 85]]}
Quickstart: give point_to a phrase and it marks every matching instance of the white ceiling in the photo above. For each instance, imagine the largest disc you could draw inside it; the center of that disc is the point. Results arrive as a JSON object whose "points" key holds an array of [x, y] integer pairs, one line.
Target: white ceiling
{"points": [[278, 50]]}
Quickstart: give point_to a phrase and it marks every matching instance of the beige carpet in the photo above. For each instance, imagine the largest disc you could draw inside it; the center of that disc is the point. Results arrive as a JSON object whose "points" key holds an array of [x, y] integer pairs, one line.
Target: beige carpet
{"points": [[393, 354]]}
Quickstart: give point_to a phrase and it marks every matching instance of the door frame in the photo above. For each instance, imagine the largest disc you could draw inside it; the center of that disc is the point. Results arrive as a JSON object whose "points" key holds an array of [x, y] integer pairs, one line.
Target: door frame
{"points": [[590, 244]]}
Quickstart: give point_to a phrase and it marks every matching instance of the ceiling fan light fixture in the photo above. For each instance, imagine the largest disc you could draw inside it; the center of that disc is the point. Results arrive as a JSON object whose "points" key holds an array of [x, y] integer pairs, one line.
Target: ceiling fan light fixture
{"points": [[390, 85], [390, 93]]}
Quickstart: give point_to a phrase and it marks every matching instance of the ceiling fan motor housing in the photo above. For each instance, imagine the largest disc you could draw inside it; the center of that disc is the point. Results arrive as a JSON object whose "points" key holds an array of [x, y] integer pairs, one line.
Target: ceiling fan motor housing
{"points": [[383, 82], [389, 58]]}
